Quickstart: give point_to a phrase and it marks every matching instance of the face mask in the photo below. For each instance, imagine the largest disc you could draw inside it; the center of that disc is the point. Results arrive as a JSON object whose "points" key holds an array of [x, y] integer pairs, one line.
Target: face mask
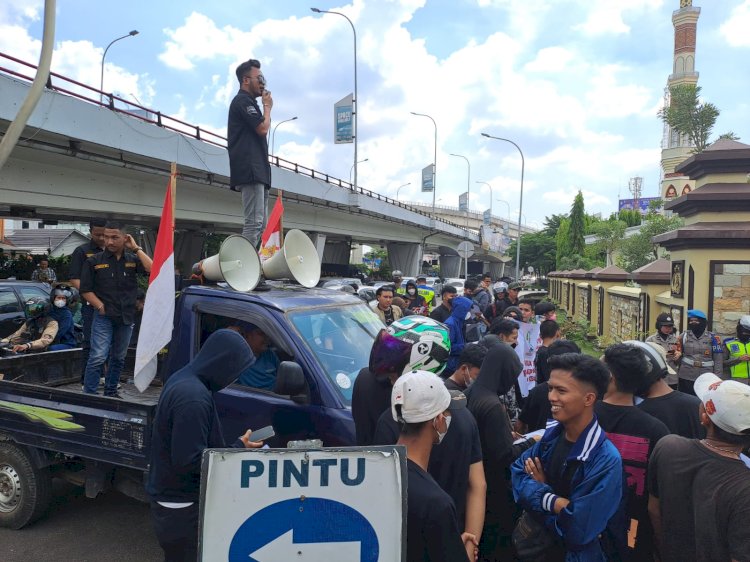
{"points": [[514, 345], [412, 291], [442, 434], [61, 303], [468, 381]]}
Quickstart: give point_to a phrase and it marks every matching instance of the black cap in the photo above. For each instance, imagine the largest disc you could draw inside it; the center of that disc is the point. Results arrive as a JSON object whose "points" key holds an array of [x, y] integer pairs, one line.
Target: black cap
{"points": [[664, 319], [543, 308]]}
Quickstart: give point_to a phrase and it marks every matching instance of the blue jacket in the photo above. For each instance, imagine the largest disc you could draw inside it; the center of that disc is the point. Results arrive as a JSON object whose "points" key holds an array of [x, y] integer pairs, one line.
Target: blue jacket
{"points": [[596, 490], [186, 420], [64, 319], [460, 307]]}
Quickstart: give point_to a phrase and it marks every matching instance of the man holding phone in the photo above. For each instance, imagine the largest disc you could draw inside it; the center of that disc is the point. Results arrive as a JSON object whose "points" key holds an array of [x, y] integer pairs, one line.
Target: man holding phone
{"points": [[186, 423], [247, 144]]}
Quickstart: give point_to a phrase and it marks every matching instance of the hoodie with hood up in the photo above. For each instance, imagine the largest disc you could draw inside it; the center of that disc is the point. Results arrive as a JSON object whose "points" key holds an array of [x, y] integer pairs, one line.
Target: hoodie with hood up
{"points": [[186, 420], [460, 307]]}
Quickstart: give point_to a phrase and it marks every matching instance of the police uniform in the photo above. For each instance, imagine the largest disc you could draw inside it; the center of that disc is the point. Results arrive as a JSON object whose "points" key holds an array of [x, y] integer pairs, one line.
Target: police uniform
{"points": [[115, 283], [669, 344], [77, 262], [428, 294], [733, 350], [699, 355]]}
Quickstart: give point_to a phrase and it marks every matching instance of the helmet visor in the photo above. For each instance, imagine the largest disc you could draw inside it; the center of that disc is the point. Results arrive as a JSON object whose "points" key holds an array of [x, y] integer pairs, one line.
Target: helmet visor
{"points": [[389, 354]]}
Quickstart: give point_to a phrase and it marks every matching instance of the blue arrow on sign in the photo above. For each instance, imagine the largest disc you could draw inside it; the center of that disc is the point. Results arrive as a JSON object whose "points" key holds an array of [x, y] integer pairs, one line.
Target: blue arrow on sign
{"points": [[305, 529]]}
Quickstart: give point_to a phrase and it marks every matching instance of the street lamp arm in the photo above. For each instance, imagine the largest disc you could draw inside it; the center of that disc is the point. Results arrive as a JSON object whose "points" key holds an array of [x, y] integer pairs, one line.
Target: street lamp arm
{"points": [[133, 33], [273, 133], [434, 158]]}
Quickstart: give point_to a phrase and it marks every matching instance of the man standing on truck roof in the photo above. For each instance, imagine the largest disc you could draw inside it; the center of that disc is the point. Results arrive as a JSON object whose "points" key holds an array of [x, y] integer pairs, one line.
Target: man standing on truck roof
{"points": [[247, 129], [77, 262], [108, 283], [186, 423]]}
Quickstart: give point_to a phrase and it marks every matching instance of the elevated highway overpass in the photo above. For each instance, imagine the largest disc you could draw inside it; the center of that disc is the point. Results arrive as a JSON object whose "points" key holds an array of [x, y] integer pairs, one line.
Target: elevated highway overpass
{"points": [[79, 158]]}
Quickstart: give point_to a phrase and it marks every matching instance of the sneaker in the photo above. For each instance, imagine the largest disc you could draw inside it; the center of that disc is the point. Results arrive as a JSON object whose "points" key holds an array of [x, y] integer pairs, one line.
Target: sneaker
{"points": [[114, 395]]}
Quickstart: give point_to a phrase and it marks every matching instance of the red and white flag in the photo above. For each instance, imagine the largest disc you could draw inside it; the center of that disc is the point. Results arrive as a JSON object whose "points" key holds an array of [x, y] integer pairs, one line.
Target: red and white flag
{"points": [[158, 310], [271, 240]]}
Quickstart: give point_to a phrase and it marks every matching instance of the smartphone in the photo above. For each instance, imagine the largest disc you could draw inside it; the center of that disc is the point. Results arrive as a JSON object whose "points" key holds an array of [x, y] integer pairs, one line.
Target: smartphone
{"points": [[262, 434]]}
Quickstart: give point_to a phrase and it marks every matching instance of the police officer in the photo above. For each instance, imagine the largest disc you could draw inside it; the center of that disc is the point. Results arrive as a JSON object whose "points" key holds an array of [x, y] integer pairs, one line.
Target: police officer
{"points": [[701, 352], [108, 283], [737, 352], [77, 261], [397, 278], [667, 340], [426, 291]]}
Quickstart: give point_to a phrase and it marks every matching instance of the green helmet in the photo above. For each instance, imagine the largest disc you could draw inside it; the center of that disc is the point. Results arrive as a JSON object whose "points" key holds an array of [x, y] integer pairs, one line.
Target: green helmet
{"points": [[430, 341], [36, 307]]}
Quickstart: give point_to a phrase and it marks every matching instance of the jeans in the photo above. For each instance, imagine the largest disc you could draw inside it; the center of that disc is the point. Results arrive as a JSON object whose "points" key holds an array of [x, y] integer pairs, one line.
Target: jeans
{"points": [[255, 209], [107, 334], [177, 531], [87, 315]]}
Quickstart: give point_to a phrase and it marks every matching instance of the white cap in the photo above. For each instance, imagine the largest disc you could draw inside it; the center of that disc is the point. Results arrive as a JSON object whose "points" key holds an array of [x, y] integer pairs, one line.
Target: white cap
{"points": [[727, 403], [422, 396]]}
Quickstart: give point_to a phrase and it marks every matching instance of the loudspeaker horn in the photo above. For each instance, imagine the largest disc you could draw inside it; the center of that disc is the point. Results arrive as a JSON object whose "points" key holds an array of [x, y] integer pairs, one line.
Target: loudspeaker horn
{"points": [[237, 264], [297, 260]]}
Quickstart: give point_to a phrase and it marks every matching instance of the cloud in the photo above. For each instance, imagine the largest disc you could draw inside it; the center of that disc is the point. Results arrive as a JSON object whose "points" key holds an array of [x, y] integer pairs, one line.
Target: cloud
{"points": [[608, 17], [735, 28], [550, 59]]}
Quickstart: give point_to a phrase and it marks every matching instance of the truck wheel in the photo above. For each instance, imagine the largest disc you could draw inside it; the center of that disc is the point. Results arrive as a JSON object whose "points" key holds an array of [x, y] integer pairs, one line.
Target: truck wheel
{"points": [[25, 491]]}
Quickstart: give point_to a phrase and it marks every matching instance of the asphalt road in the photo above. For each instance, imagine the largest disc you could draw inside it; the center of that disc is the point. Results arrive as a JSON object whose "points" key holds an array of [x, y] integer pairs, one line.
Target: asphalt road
{"points": [[109, 528]]}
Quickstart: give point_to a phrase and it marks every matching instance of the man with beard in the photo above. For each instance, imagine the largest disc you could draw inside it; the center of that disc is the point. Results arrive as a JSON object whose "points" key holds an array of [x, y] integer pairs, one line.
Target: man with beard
{"points": [[497, 377], [701, 352], [737, 352], [667, 339]]}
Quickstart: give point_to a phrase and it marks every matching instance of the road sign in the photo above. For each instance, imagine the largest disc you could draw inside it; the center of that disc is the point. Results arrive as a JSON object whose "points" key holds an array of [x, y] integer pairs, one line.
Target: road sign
{"points": [[265, 505], [465, 249]]}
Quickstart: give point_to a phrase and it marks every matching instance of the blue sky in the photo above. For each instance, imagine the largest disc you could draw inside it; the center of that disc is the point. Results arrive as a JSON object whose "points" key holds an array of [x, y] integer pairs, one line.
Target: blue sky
{"points": [[576, 83]]}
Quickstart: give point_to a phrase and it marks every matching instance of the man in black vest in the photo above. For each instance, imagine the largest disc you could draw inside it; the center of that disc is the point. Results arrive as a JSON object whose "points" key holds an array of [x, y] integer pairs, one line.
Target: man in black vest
{"points": [[247, 128]]}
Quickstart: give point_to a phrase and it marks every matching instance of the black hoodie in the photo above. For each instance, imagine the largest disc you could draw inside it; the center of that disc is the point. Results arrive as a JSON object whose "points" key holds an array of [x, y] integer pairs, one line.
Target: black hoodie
{"points": [[497, 376], [186, 420]]}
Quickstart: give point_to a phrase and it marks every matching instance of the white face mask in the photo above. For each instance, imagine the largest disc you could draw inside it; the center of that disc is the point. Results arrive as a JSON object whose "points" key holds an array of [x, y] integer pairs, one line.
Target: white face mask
{"points": [[61, 303], [442, 434], [468, 381], [412, 291]]}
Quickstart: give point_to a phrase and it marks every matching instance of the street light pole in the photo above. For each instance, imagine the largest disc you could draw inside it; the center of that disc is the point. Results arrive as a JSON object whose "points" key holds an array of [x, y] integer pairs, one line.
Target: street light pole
{"points": [[468, 187], [399, 189], [355, 101], [491, 197], [434, 159], [507, 205], [354, 169], [520, 203], [101, 80], [273, 134]]}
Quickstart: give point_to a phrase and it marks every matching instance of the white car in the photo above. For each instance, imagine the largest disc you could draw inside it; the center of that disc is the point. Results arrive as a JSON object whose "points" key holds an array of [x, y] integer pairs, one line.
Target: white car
{"points": [[456, 282]]}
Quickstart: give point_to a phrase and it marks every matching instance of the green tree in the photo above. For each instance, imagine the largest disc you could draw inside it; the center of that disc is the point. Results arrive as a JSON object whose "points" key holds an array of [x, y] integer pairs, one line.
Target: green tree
{"points": [[577, 225], [562, 242], [639, 249], [610, 235], [552, 224], [690, 116], [630, 217], [729, 136], [538, 250]]}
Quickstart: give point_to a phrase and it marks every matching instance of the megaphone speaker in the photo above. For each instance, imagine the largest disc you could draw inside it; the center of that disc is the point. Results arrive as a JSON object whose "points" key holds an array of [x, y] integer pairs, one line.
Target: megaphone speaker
{"points": [[237, 264], [297, 260]]}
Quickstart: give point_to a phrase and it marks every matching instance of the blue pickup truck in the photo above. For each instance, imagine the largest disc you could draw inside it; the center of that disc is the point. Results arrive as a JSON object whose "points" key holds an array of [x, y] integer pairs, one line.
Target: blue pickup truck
{"points": [[49, 428]]}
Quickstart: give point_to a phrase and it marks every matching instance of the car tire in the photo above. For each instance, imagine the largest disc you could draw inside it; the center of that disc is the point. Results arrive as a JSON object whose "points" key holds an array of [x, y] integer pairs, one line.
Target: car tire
{"points": [[25, 491]]}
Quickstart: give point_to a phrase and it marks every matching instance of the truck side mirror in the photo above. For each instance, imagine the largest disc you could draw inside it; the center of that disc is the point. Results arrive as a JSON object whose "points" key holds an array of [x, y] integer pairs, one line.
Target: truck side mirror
{"points": [[290, 381]]}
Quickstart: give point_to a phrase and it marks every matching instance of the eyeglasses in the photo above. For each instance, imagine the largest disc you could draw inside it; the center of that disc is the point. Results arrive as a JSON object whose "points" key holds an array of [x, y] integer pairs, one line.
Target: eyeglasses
{"points": [[261, 79]]}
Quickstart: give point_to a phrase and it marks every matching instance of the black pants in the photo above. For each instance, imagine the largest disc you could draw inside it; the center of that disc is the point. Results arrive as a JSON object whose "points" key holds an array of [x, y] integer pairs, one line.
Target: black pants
{"points": [[686, 386], [177, 531]]}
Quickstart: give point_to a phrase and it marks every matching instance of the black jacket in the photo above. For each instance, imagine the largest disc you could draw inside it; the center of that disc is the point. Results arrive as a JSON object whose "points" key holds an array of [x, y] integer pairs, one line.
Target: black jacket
{"points": [[248, 151], [186, 420]]}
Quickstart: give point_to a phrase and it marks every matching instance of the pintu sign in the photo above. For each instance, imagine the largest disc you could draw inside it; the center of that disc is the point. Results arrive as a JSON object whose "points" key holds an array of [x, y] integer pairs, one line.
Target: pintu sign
{"points": [[313, 505]]}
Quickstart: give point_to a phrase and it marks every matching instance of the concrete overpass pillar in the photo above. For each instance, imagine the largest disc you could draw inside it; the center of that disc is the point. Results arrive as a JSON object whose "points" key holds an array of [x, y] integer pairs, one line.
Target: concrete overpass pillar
{"points": [[405, 256], [496, 270], [449, 265], [337, 252], [319, 241], [188, 249]]}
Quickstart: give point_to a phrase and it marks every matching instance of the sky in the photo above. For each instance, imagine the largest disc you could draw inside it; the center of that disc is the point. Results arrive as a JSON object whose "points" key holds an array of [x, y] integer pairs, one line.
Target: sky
{"points": [[575, 83]]}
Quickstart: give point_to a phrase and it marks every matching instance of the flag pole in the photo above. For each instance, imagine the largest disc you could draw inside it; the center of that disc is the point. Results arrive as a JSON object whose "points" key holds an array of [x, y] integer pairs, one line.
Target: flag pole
{"points": [[173, 193], [281, 221]]}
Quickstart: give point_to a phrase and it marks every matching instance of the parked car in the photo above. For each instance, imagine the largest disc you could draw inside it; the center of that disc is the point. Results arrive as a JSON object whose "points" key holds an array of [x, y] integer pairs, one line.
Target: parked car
{"points": [[456, 282], [12, 296]]}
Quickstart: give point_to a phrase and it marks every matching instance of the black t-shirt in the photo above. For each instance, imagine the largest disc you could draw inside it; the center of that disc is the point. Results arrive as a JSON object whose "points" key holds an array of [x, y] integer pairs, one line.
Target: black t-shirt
{"points": [[540, 362], [704, 499], [440, 313], [450, 384], [78, 258], [554, 469], [449, 461], [635, 434], [248, 150], [114, 282], [678, 411], [431, 527], [370, 398], [536, 410], [388, 316]]}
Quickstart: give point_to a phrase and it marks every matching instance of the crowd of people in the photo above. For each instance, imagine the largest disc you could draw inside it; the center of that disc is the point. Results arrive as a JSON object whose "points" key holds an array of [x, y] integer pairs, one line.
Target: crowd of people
{"points": [[603, 460]]}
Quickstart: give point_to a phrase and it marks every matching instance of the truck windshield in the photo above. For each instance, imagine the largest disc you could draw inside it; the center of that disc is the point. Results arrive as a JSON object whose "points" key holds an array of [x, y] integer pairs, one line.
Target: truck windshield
{"points": [[341, 339]]}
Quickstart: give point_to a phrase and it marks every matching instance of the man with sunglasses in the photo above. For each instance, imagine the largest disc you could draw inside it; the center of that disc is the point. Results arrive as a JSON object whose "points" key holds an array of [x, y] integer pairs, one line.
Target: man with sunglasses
{"points": [[247, 144]]}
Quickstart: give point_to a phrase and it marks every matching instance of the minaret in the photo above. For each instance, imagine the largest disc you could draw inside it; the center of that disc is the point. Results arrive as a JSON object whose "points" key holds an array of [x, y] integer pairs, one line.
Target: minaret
{"points": [[674, 147]]}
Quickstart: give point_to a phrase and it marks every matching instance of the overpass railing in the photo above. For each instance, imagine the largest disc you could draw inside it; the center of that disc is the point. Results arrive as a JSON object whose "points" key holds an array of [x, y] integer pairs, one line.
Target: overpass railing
{"points": [[109, 100]]}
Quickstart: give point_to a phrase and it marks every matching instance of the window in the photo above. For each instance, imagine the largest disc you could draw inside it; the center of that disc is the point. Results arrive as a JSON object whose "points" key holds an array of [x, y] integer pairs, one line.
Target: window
{"points": [[8, 301], [341, 339], [28, 292]]}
